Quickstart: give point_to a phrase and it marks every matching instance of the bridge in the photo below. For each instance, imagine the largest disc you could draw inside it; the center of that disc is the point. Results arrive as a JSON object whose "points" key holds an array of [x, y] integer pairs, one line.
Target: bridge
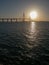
{"points": [[23, 18], [14, 19]]}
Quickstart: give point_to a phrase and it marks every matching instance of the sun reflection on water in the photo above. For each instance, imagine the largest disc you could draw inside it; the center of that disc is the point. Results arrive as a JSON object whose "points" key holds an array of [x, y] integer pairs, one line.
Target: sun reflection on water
{"points": [[32, 27], [32, 30], [32, 36]]}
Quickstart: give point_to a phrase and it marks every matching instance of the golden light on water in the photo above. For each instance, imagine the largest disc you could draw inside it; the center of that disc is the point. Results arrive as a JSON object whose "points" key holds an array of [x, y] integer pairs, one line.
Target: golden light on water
{"points": [[31, 35], [33, 15], [32, 27]]}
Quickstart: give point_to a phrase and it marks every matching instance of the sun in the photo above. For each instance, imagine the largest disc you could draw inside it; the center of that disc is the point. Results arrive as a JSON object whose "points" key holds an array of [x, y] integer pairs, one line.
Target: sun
{"points": [[33, 15]]}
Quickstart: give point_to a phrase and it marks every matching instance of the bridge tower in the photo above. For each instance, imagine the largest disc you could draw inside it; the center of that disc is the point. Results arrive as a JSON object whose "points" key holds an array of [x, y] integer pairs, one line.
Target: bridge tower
{"points": [[23, 16]]}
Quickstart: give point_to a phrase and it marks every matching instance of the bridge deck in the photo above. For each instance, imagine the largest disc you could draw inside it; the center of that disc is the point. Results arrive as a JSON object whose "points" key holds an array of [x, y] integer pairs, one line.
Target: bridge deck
{"points": [[14, 19]]}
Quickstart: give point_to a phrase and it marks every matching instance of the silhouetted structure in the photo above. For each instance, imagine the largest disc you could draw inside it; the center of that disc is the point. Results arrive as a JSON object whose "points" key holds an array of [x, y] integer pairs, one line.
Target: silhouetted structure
{"points": [[23, 18]]}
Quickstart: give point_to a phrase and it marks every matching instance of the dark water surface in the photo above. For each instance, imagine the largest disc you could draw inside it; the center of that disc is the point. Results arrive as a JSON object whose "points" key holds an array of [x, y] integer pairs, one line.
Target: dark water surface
{"points": [[24, 43]]}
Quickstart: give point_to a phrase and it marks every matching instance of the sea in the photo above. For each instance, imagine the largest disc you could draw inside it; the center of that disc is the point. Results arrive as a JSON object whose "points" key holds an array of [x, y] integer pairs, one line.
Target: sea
{"points": [[24, 43]]}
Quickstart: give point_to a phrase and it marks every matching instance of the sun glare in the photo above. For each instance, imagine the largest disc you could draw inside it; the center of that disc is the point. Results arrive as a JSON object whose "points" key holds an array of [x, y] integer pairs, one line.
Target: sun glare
{"points": [[33, 15]]}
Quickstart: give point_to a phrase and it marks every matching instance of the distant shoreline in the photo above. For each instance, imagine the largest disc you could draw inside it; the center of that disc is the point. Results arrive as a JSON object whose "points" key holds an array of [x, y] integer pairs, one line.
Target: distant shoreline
{"points": [[20, 21]]}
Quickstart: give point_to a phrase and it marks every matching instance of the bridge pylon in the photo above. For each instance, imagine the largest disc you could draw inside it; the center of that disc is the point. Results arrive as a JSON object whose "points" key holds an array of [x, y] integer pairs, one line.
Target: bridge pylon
{"points": [[23, 16]]}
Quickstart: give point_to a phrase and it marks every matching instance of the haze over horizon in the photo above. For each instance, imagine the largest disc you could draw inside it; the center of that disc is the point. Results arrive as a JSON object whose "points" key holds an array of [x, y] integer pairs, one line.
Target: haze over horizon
{"points": [[15, 8]]}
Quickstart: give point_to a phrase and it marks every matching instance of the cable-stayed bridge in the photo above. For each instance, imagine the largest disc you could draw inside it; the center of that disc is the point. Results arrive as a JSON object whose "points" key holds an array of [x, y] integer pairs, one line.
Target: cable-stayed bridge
{"points": [[21, 19], [14, 19]]}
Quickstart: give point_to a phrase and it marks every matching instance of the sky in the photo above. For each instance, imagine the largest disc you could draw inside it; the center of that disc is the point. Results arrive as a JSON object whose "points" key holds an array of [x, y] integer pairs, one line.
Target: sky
{"points": [[15, 8]]}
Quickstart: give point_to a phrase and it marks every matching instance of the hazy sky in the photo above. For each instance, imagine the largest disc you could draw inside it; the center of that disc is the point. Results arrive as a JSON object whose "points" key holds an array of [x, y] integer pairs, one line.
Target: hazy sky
{"points": [[15, 8]]}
